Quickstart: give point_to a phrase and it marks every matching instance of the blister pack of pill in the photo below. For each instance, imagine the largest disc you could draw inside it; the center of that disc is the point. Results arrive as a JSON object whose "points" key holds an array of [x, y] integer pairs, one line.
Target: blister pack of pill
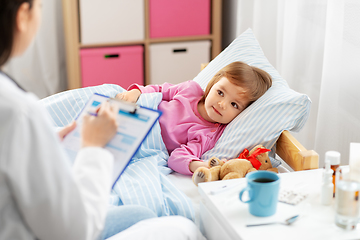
{"points": [[291, 197]]}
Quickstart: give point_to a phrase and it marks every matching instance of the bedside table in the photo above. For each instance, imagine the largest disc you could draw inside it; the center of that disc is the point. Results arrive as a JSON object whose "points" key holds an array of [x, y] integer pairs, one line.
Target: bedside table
{"points": [[224, 216]]}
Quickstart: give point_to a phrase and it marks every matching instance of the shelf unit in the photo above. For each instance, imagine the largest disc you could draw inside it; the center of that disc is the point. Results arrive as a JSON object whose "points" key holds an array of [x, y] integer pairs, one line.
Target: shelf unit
{"points": [[73, 43]]}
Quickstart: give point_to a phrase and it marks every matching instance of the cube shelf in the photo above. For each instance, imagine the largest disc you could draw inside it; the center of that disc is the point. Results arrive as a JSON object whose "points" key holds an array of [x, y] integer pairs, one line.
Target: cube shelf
{"points": [[94, 24], [174, 18], [177, 62], [114, 65]]}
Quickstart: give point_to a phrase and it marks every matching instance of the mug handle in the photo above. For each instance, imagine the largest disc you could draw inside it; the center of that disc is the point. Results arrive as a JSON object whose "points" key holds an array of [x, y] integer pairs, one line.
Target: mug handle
{"points": [[248, 189]]}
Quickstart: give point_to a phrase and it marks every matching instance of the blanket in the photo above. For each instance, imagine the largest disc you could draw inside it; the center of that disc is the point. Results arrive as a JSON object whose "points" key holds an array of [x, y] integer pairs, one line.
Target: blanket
{"points": [[144, 181]]}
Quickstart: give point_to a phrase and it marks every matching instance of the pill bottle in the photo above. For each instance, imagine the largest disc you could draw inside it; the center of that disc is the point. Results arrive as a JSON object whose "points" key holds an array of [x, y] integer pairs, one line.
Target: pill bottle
{"points": [[334, 158]]}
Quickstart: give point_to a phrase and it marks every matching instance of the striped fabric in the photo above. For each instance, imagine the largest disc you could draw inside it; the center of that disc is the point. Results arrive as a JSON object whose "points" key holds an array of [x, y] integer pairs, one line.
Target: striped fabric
{"points": [[279, 109], [144, 181]]}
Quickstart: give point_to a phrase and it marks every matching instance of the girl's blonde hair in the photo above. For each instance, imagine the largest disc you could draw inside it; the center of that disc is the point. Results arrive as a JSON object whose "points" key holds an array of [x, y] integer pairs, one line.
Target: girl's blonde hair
{"points": [[255, 80]]}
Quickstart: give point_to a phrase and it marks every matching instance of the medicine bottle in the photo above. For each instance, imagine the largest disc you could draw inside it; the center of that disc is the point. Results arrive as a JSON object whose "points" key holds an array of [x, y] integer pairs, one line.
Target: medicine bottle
{"points": [[334, 158], [327, 185]]}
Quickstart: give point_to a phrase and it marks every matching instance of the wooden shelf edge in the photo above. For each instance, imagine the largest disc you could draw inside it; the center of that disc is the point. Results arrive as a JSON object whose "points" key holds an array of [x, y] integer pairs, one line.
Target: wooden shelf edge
{"points": [[112, 44], [149, 41], [181, 39], [71, 32]]}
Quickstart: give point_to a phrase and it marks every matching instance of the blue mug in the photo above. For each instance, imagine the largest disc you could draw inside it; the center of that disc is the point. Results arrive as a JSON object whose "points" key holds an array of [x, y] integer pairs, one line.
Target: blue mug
{"points": [[263, 189]]}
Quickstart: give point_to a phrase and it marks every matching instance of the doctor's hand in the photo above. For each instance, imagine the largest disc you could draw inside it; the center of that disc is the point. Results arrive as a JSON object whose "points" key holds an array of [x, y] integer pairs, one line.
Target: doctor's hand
{"points": [[98, 130], [66, 130], [130, 96]]}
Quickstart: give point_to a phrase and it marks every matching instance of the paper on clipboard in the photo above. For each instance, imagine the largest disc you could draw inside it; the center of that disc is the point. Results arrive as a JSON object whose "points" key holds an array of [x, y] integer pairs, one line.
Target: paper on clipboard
{"points": [[135, 123]]}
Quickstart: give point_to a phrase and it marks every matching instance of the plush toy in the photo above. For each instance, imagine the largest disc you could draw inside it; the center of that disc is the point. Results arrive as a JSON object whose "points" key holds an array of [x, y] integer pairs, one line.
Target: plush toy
{"points": [[256, 159]]}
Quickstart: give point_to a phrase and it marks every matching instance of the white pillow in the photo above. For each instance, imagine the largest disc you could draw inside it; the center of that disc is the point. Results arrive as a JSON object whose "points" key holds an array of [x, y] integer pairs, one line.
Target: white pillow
{"points": [[279, 109]]}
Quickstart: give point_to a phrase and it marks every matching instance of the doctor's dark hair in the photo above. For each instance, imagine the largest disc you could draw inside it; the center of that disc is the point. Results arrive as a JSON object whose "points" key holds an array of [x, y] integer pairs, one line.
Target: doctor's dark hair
{"points": [[255, 80], [8, 12]]}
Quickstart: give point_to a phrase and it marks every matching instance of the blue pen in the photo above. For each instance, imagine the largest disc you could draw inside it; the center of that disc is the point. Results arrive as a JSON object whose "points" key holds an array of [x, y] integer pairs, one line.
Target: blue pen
{"points": [[95, 104]]}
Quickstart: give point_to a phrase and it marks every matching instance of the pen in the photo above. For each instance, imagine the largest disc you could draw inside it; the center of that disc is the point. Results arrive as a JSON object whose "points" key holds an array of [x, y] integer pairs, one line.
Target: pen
{"points": [[97, 110]]}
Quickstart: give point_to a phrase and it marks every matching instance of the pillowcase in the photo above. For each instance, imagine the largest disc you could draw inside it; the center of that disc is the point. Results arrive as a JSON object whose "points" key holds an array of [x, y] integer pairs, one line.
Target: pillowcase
{"points": [[279, 109]]}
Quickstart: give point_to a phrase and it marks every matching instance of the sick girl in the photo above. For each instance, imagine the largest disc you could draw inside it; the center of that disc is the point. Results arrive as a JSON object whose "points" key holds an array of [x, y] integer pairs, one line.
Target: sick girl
{"points": [[193, 120]]}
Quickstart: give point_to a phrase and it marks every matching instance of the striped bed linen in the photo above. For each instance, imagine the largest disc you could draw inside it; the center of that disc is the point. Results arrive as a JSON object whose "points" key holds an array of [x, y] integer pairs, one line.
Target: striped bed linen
{"points": [[144, 181]]}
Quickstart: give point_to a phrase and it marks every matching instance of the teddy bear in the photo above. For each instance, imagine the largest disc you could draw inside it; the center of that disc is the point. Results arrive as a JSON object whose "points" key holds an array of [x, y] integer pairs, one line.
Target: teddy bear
{"points": [[256, 159]]}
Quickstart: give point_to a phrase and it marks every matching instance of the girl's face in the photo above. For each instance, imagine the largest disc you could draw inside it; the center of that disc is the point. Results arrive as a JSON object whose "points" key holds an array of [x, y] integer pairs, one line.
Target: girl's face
{"points": [[28, 22], [225, 101]]}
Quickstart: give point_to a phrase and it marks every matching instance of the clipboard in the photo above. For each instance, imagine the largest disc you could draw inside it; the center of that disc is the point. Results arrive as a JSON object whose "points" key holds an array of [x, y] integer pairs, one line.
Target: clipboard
{"points": [[135, 123]]}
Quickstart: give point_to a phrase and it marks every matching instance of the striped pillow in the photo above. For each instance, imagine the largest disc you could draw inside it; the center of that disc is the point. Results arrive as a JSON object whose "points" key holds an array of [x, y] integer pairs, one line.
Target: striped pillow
{"points": [[279, 109]]}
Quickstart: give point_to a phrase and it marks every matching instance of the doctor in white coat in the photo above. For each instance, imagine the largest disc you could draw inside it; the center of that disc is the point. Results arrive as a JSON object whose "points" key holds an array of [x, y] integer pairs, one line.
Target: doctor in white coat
{"points": [[41, 195]]}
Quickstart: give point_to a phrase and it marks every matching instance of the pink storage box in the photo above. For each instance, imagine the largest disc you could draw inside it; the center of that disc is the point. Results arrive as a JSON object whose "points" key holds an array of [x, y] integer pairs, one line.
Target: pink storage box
{"points": [[115, 65], [172, 18]]}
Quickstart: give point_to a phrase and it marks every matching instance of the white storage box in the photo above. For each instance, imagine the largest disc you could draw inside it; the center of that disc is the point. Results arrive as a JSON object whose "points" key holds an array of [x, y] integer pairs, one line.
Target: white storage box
{"points": [[177, 62], [111, 21]]}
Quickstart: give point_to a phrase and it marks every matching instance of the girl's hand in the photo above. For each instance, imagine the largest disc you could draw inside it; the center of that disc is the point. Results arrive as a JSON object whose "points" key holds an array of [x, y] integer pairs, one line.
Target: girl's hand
{"points": [[130, 96], [66, 130], [196, 164], [98, 130]]}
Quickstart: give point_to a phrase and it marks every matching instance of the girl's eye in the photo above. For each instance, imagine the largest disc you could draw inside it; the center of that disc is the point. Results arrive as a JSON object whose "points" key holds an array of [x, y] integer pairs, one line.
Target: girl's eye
{"points": [[220, 93], [234, 105]]}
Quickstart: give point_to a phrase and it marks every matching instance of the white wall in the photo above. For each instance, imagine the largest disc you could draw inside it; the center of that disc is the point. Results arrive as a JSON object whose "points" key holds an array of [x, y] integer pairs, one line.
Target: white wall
{"points": [[42, 68]]}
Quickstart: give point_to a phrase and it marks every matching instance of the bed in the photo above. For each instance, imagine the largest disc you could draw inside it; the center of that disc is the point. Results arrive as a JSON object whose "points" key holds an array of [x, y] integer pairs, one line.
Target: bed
{"points": [[149, 182]]}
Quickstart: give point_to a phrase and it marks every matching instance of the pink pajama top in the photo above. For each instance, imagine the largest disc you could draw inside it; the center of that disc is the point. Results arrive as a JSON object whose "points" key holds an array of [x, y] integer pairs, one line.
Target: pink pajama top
{"points": [[185, 133]]}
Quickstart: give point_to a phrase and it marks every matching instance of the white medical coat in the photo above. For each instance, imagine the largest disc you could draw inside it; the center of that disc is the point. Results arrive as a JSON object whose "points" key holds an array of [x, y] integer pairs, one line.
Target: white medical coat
{"points": [[41, 195]]}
